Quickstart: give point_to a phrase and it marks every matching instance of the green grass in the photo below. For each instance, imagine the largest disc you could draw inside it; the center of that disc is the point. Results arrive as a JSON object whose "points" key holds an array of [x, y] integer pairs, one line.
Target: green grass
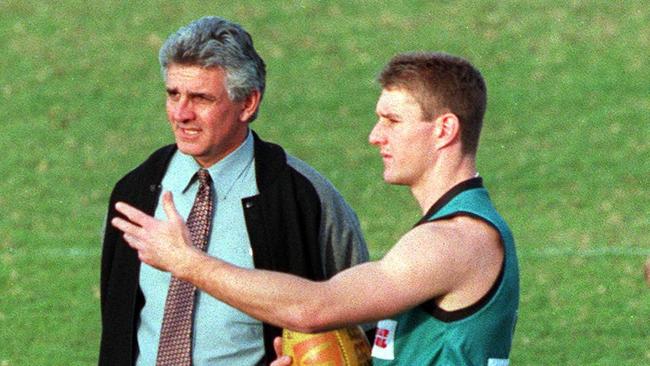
{"points": [[564, 151]]}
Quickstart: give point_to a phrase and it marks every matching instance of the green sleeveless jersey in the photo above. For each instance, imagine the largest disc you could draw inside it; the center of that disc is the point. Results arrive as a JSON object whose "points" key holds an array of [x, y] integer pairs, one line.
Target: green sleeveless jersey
{"points": [[478, 335]]}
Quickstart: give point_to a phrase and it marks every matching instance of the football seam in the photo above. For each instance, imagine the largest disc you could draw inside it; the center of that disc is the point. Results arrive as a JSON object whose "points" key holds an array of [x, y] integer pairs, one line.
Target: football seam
{"points": [[344, 352]]}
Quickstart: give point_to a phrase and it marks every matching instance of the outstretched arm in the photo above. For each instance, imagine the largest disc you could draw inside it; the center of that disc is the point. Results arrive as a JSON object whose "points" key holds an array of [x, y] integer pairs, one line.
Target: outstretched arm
{"points": [[411, 273]]}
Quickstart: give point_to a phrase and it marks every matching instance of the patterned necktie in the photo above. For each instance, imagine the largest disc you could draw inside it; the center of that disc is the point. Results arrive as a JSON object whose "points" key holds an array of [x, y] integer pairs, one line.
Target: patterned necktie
{"points": [[175, 347]]}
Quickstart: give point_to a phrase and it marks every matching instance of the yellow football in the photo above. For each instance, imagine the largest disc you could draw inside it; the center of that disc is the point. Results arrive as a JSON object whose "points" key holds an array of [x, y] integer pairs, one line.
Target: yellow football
{"points": [[340, 347]]}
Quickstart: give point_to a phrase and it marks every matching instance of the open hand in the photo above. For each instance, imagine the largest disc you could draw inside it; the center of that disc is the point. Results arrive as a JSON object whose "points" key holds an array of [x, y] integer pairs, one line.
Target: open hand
{"points": [[161, 244]]}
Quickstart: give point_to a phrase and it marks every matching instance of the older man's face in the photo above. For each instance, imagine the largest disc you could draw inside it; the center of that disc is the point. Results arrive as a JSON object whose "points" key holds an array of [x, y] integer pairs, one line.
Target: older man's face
{"points": [[206, 123]]}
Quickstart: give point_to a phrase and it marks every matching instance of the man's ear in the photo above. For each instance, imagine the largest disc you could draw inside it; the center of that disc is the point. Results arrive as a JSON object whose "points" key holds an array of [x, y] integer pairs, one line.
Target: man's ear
{"points": [[446, 130], [251, 103]]}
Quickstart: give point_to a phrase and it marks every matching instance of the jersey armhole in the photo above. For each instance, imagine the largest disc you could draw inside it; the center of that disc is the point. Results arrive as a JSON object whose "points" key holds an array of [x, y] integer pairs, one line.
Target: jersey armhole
{"points": [[434, 310]]}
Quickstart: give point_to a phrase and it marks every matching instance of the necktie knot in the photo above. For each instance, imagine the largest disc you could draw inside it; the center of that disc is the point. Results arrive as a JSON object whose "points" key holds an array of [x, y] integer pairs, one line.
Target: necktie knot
{"points": [[204, 176]]}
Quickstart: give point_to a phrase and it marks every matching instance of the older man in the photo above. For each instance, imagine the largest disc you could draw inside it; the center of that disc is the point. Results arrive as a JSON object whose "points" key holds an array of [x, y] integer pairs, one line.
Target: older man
{"points": [[246, 201]]}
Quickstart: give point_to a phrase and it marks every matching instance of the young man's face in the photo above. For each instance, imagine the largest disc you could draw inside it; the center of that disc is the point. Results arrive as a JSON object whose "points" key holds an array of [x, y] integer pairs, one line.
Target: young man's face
{"points": [[404, 138], [206, 123]]}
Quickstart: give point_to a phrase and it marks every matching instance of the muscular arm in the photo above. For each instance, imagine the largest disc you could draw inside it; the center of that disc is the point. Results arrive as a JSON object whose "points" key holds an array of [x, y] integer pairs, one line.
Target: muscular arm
{"points": [[426, 263]]}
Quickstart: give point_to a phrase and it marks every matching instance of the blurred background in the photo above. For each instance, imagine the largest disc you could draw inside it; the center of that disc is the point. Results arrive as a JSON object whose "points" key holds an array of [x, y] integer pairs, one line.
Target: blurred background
{"points": [[565, 149]]}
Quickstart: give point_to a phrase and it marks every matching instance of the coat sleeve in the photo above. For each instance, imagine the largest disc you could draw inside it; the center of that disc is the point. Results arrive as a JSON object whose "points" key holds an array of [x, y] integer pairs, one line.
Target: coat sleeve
{"points": [[342, 244]]}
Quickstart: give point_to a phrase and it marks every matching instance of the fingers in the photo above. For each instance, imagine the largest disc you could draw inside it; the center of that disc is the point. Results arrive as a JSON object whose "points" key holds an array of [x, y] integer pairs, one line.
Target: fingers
{"points": [[169, 207], [127, 227], [281, 360], [277, 345], [133, 214], [132, 241]]}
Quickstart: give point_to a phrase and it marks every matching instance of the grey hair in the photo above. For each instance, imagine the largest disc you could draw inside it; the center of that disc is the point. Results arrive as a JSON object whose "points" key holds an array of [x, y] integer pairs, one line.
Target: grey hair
{"points": [[216, 42]]}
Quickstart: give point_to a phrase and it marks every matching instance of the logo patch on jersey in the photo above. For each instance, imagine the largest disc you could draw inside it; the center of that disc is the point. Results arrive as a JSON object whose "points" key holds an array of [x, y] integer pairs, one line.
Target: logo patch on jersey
{"points": [[384, 345], [498, 362]]}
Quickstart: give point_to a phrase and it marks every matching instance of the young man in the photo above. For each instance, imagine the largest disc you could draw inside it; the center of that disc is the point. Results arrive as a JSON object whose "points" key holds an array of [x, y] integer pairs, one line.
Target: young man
{"points": [[446, 293], [255, 206]]}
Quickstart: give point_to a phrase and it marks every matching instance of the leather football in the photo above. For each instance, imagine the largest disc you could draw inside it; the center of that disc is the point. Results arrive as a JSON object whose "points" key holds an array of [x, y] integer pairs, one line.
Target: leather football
{"points": [[340, 347]]}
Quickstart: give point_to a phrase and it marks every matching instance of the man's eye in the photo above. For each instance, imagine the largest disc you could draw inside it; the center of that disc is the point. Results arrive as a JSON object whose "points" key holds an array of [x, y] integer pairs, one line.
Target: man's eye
{"points": [[203, 99]]}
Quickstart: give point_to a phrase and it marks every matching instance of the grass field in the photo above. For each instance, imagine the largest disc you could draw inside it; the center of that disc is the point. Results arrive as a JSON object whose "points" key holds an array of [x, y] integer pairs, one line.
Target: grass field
{"points": [[565, 150]]}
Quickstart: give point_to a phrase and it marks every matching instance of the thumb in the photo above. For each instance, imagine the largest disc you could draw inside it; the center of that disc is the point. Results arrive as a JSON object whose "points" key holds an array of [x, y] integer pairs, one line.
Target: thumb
{"points": [[169, 207], [277, 345]]}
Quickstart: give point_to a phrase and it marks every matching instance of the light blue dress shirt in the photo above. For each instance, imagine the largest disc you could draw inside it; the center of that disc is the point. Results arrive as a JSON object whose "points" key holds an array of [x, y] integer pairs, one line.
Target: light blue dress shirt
{"points": [[222, 335]]}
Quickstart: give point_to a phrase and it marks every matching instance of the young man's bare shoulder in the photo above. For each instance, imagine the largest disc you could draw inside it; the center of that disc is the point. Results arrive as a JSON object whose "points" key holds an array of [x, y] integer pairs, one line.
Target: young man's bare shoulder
{"points": [[455, 260], [462, 229], [455, 242], [441, 257]]}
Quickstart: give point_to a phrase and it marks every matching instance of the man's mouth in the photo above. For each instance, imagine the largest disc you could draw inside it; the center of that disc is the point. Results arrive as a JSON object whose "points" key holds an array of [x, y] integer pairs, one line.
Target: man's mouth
{"points": [[187, 131], [190, 132]]}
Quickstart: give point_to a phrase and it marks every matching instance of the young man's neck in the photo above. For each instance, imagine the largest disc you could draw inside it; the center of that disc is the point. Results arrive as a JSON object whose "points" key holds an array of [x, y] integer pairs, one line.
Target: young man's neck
{"points": [[441, 179]]}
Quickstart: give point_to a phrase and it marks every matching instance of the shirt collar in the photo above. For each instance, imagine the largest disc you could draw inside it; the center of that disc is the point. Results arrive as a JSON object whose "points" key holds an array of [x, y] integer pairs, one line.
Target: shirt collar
{"points": [[224, 173], [472, 183]]}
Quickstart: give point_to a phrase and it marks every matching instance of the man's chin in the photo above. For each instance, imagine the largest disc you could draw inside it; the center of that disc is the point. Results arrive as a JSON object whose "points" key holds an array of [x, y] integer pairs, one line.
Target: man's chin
{"points": [[188, 149], [393, 180], [387, 178]]}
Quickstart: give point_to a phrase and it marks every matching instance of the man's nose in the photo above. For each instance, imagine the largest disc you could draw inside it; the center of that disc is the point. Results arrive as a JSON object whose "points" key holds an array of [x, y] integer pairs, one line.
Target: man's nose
{"points": [[183, 111], [376, 136]]}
